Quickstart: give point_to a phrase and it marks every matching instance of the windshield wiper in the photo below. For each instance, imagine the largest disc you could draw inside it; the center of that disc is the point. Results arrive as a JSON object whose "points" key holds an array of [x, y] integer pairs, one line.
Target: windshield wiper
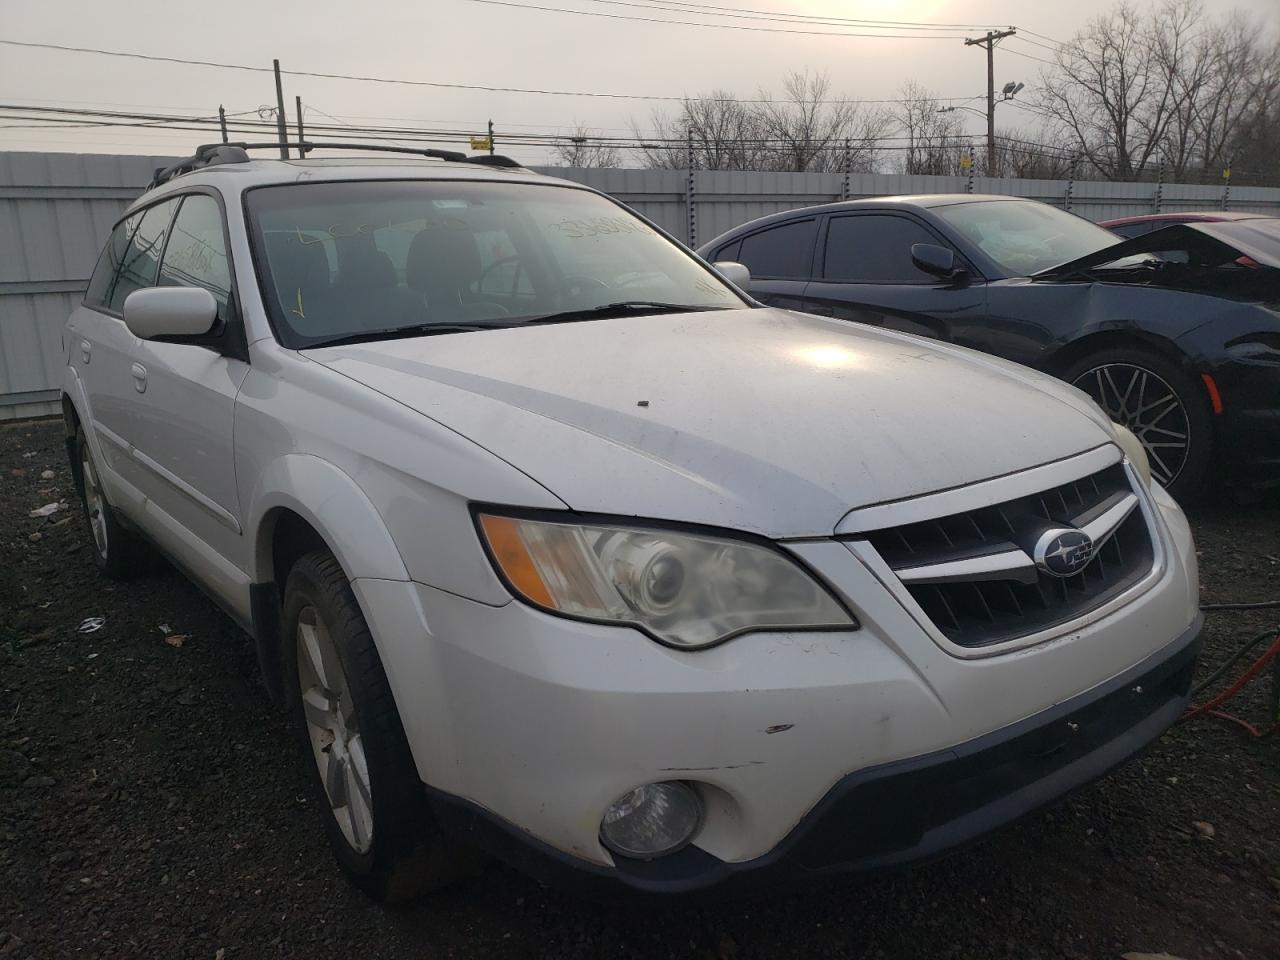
{"points": [[400, 333], [620, 308]]}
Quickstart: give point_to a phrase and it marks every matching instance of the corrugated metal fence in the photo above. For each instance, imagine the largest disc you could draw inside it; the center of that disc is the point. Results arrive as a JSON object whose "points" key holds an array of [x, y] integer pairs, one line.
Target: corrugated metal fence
{"points": [[57, 208], [720, 200]]}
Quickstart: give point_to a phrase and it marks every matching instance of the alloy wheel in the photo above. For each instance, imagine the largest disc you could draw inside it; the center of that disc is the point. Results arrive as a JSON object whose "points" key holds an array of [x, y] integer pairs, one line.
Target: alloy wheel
{"points": [[334, 730], [1145, 403]]}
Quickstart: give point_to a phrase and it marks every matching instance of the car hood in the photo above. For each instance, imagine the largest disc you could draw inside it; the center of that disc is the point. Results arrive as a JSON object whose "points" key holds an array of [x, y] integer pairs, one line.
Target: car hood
{"points": [[756, 419], [1209, 242]]}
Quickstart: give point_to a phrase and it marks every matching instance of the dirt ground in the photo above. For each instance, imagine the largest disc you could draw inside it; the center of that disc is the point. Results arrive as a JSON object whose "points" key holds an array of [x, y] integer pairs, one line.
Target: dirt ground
{"points": [[153, 804]]}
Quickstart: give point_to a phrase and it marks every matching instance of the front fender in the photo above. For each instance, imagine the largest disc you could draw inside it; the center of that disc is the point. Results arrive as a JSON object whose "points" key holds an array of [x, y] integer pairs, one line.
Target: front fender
{"points": [[334, 505]]}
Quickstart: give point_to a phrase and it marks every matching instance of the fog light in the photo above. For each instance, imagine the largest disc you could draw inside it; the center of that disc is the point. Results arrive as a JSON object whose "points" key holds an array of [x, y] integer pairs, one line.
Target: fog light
{"points": [[651, 821]]}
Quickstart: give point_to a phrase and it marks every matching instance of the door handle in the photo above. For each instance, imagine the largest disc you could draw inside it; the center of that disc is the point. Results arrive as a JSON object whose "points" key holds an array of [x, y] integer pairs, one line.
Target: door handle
{"points": [[86, 350], [139, 377]]}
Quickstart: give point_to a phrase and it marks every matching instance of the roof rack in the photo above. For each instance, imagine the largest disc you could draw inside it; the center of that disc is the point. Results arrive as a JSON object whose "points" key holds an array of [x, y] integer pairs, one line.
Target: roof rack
{"points": [[212, 154]]}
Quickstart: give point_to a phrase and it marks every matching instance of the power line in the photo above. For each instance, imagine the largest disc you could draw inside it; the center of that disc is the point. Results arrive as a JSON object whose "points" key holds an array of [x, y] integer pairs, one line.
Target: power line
{"points": [[714, 26], [426, 83], [76, 117], [1019, 53], [1052, 48], [804, 16], [138, 106], [670, 6], [126, 120], [59, 123], [1043, 37]]}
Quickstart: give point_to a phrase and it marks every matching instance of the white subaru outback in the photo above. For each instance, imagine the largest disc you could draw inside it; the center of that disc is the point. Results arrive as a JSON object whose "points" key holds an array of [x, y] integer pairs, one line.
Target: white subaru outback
{"points": [[558, 544]]}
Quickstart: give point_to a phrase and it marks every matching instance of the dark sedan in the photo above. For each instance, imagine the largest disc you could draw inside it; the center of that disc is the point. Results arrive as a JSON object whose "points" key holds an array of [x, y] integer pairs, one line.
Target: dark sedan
{"points": [[1172, 332]]}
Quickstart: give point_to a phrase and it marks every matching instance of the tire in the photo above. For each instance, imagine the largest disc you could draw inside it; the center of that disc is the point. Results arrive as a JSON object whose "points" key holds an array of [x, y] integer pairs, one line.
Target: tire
{"points": [[1170, 414], [374, 806], [119, 553]]}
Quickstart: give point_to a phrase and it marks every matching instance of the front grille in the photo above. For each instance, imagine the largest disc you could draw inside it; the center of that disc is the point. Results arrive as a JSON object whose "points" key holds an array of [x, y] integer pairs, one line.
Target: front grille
{"points": [[982, 609]]}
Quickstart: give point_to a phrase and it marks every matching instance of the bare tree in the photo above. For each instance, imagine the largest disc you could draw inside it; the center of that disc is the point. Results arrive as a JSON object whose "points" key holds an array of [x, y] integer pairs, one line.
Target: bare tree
{"points": [[1031, 156], [806, 129], [1254, 148], [724, 132], [584, 149], [1185, 64], [810, 131], [934, 141], [1241, 75], [1110, 94]]}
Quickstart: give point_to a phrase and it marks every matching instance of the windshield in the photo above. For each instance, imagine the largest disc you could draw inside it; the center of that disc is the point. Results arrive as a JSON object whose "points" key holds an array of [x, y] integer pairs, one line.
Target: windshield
{"points": [[1024, 237], [344, 259]]}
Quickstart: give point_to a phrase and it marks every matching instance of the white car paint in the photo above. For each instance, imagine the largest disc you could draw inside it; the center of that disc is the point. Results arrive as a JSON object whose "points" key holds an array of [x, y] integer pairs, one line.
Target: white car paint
{"points": [[756, 420], [784, 424]]}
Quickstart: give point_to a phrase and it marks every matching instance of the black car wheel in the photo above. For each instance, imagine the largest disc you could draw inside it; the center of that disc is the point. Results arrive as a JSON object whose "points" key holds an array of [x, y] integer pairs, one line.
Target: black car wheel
{"points": [[119, 553], [1162, 405], [375, 809]]}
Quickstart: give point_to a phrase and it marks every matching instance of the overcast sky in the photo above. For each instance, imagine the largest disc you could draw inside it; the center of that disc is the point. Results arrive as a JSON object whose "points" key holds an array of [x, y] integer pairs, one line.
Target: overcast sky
{"points": [[470, 42]]}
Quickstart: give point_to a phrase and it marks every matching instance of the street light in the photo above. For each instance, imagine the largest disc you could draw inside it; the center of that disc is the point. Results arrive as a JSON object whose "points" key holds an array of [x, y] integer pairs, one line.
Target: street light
{"points": [[1008, 92]]}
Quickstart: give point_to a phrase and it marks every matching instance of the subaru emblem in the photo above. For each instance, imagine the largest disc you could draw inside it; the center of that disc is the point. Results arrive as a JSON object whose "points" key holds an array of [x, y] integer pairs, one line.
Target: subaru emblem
{"points": [[1063, 551]]}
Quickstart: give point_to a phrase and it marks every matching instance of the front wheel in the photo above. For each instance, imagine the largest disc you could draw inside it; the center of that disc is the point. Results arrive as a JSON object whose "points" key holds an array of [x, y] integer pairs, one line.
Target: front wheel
{"points": [[375, 811], [1164, 407]]}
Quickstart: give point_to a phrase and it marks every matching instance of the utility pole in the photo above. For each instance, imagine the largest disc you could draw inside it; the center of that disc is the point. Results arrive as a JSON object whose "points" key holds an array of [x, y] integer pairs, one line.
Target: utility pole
{"points": [[222, 122], [989, 41], [302, 151], [282, 130]]}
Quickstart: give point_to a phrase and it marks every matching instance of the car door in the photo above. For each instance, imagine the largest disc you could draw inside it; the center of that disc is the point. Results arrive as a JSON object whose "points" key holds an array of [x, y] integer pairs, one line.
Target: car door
{"points": [[187, 391], [100, 345], [780, 258], [864, 272]]}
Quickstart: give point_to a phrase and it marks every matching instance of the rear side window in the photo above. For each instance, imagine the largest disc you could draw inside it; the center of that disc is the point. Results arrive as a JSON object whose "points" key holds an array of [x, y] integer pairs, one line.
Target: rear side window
{"points": [[141, 260], [104, 274], [782, 252], [874, 248], [196, 255]]}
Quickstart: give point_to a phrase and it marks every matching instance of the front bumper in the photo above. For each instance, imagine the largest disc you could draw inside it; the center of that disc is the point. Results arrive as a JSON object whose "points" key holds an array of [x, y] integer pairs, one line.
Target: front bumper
{"points": [[1247, 439], [899, 812], [1250, 441], [530, 725], [896, 813]]}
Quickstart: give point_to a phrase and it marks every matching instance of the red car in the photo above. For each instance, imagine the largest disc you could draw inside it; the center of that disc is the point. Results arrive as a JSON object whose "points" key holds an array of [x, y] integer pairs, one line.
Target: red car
{"points": [[1145, 223], [1148, 222]]}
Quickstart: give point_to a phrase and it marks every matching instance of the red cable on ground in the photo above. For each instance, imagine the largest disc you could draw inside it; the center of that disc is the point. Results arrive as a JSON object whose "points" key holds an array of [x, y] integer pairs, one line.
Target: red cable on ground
{"points": [[1249, 727], [1210, 706]]}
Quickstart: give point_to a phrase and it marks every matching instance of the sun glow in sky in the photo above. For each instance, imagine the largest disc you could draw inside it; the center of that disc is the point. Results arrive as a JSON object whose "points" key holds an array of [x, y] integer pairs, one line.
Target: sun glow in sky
{"points": [[474, 42]]}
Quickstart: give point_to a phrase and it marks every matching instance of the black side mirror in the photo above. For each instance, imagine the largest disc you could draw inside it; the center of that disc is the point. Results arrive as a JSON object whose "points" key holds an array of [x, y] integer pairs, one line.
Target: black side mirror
{"points": [[935, 260]]}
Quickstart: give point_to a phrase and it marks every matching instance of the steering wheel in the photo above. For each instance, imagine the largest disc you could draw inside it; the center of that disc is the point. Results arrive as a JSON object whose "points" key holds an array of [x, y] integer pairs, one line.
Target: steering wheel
{"points": [[515, 280]]}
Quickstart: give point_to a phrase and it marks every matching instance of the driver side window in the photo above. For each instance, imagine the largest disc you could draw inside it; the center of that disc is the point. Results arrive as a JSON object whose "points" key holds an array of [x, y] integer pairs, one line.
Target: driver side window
{"points": [[874, 248]]}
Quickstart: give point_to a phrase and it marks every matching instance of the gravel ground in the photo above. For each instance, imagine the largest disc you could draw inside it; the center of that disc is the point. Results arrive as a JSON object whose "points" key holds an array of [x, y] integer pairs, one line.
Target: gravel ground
{"points": [[152, 804]]}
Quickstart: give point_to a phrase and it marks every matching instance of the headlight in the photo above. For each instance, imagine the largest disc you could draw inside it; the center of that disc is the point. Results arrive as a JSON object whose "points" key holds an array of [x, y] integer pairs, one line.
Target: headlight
{"points": [[1134, 450], [685, 590]]}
